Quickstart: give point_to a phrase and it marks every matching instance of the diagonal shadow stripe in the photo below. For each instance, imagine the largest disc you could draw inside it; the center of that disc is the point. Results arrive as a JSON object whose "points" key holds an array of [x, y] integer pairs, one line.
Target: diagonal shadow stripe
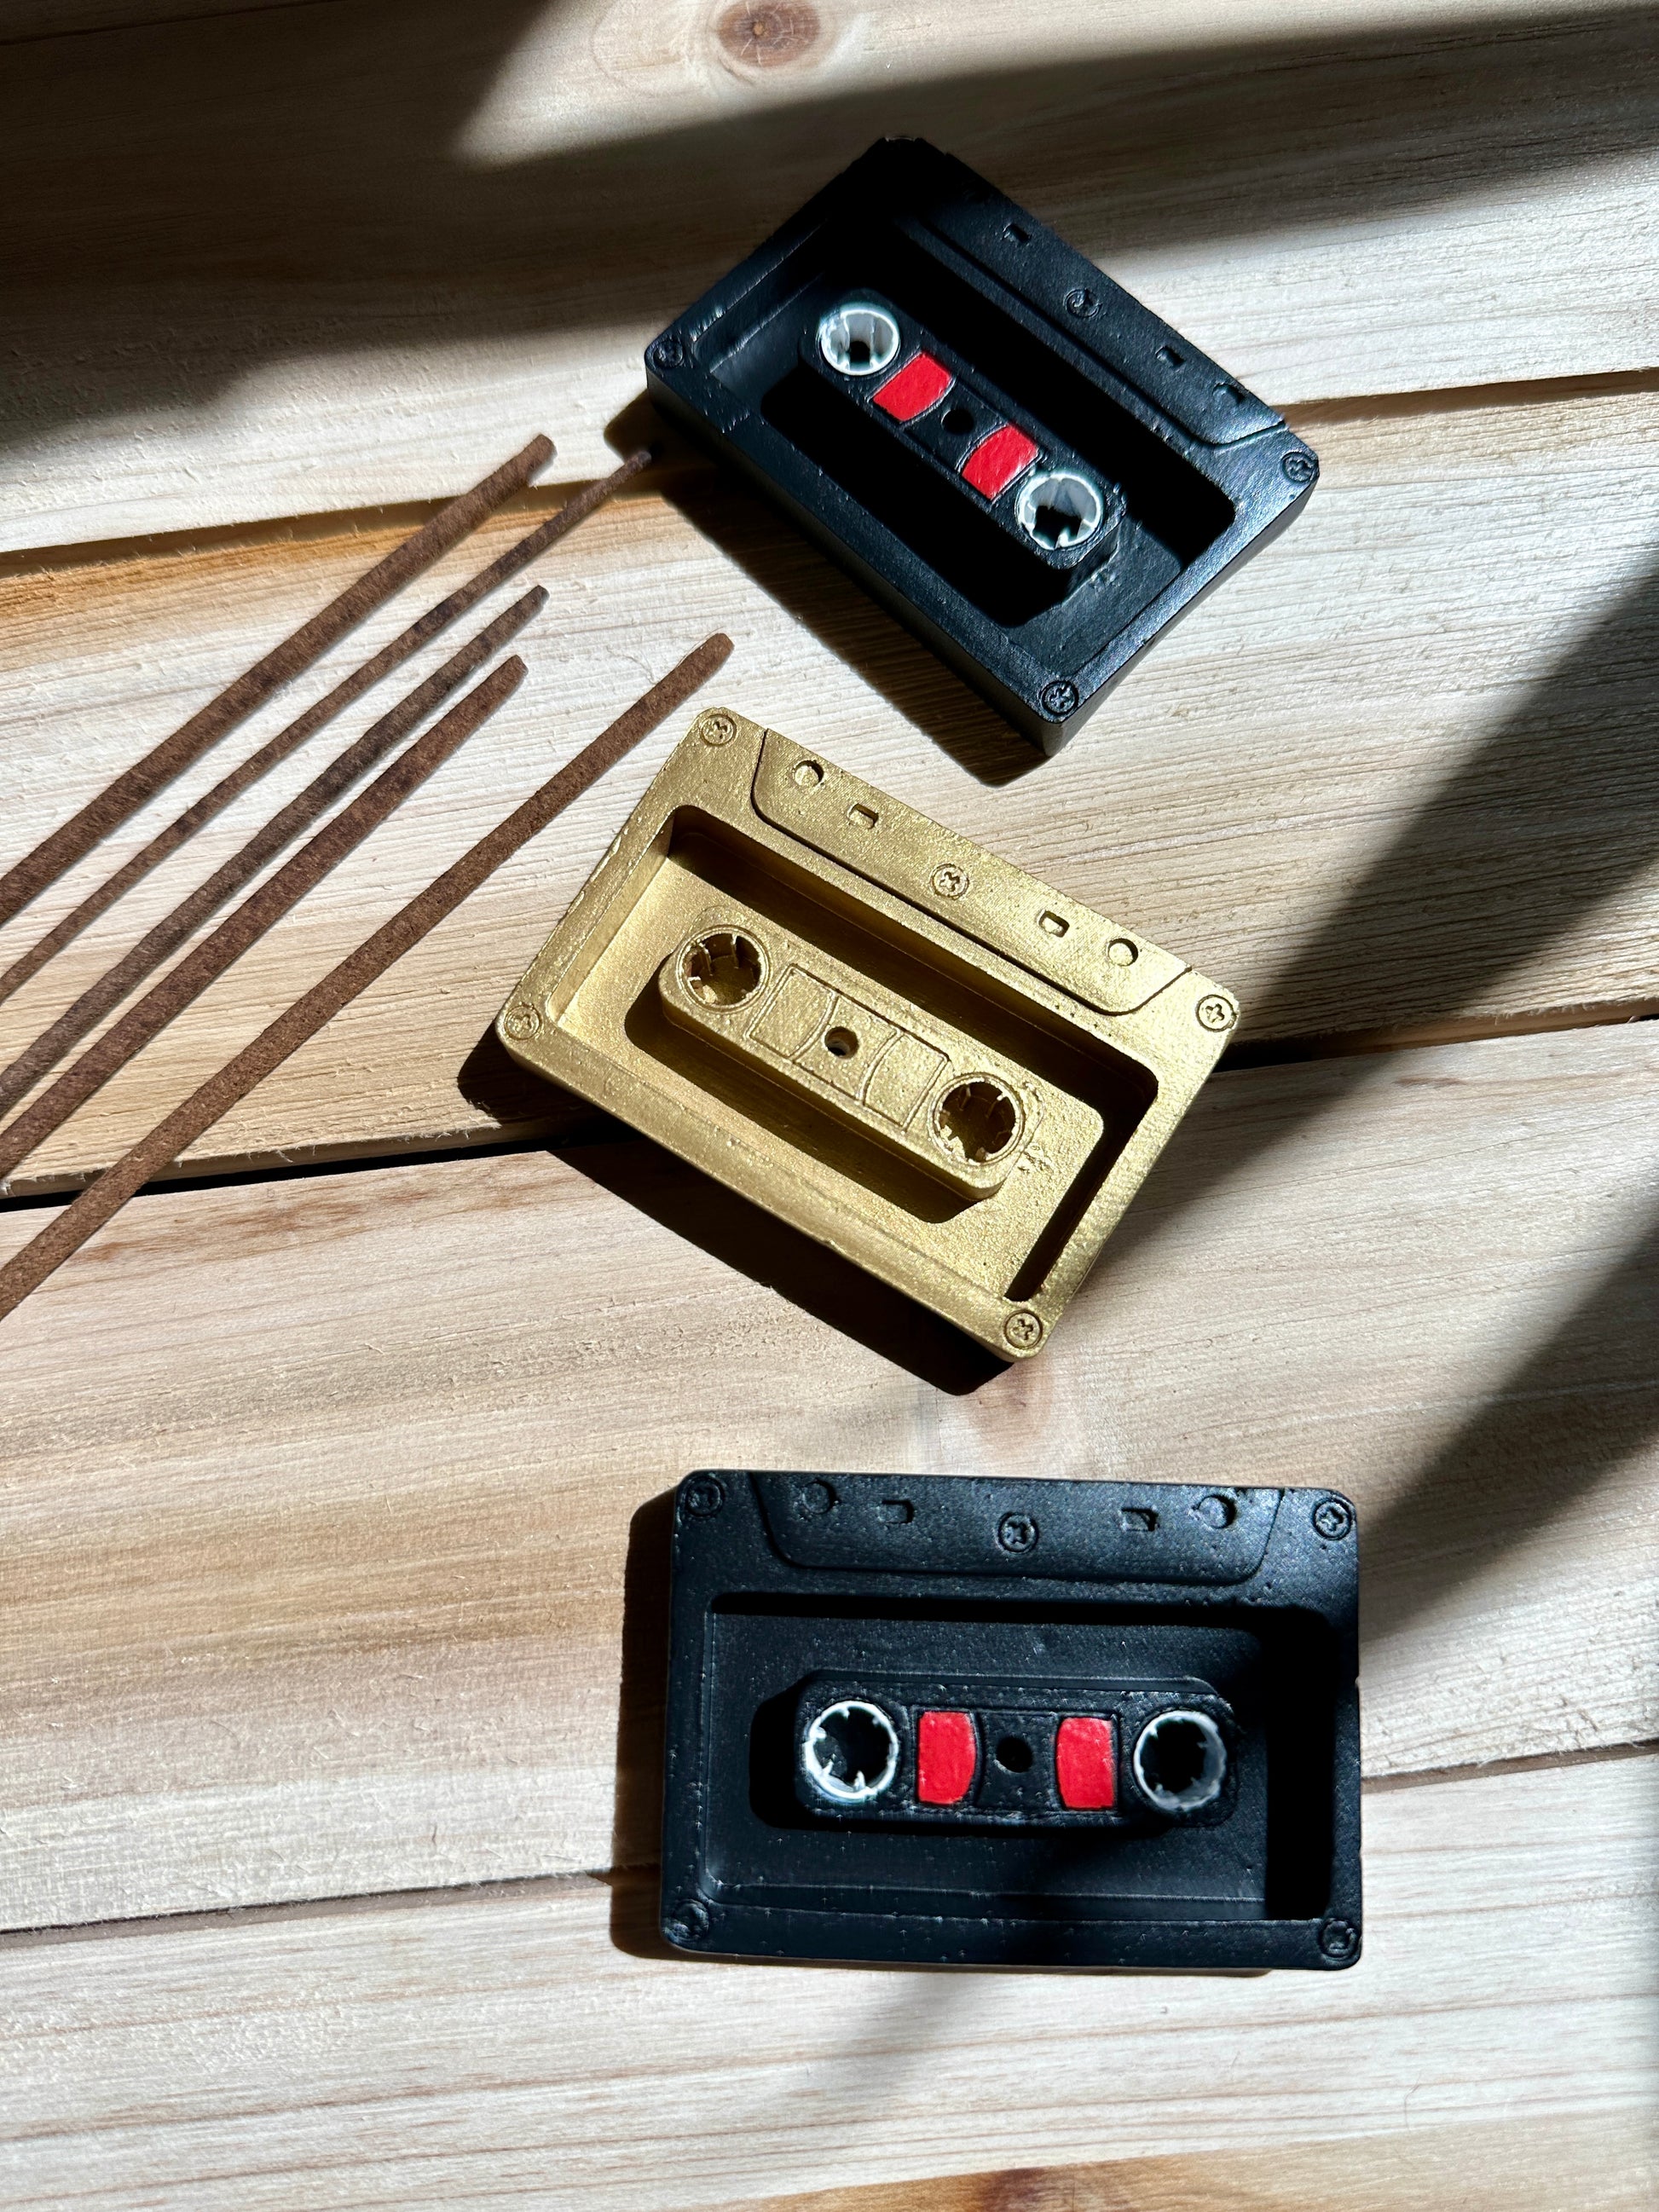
{"points": [[243, 190], [1551, 816], [1569, 1413]]}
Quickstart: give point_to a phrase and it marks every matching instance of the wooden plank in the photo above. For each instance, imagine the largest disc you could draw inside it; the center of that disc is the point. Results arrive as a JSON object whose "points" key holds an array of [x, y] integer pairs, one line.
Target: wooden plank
{"points": [[1398, 772], [1558, 2165], [319, 1491], [300, 258], [502, 2046], [1025, 28]]}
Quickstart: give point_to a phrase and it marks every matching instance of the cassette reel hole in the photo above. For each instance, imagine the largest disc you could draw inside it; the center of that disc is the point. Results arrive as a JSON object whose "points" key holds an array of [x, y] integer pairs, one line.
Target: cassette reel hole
{"points": [[1181, 1761], [722, 968], [1060, 510], [851, 1751], [857, 337], [976, 1121]]}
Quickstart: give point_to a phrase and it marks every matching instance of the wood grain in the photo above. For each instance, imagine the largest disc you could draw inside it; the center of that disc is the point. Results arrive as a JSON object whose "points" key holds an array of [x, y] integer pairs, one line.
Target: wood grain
{"points": [[510, 2046], [1399, 771], [319, 1491], [300, 258], [1559, 2165]]}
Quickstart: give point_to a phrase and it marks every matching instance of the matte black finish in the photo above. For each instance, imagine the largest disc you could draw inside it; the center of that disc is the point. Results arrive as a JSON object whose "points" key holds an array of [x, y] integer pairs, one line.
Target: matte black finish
{"points": [[1194, 471], [850, 1605]]}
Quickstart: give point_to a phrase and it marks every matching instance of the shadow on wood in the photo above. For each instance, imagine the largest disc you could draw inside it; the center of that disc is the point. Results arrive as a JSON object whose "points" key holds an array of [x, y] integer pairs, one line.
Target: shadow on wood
{"points": [[250, 188], [769, 1251]]}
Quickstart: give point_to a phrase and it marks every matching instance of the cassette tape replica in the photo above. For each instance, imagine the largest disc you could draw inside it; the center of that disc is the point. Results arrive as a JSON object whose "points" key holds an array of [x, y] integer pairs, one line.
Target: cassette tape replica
{"points": [[953, 1721], [922, 1057], [1017, 457]]}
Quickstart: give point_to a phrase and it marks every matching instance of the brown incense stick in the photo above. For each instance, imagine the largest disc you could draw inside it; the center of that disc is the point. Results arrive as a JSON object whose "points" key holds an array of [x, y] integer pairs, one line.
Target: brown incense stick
{"points": [[307, 807], [205, 962], [102, 1200], [401, 648], [128, 792]]}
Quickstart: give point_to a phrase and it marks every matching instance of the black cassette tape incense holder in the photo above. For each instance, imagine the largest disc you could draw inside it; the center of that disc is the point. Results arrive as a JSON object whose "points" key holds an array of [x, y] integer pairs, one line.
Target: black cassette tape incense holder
{"points": [[951, 1721], [1024, 462]]}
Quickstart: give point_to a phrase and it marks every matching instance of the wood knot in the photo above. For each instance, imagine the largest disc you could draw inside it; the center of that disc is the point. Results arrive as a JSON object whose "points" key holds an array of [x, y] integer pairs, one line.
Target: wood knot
{"points": [[766, 34]]}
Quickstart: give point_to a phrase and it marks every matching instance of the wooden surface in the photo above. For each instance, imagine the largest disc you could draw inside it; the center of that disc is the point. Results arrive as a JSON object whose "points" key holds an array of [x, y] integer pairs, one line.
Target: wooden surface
{"points": [[498, 2046], [309, 257], [1400, 774], [331, 1577], [322, 1589]]}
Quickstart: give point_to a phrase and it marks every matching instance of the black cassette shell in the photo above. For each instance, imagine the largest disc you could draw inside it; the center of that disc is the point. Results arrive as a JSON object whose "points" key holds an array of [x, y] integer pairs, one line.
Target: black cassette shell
{"points": [[1193, 471], [1142, 1700]]}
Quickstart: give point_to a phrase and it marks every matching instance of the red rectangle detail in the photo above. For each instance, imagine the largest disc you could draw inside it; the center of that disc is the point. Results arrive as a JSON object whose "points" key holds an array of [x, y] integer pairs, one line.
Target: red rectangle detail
{"points": [[997, 460], [1085, 1765], [911, 391], [947, 1751]]}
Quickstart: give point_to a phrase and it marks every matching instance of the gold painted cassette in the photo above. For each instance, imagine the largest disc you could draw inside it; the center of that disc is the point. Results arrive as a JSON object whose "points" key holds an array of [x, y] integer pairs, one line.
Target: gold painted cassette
{"points": [[912, 1051]]}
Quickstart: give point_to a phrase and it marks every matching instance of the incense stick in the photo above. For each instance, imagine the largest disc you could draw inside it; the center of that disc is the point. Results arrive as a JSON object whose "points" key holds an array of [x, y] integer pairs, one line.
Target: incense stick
{"points": [[307, 807], [102, 1200], [76, 838], [205, 962], [401, 648]]}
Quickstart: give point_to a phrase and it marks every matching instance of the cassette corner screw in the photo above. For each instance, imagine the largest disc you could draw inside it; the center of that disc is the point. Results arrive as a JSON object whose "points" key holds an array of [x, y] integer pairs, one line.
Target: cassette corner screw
{"points": [[1301, 467], [950, 881], [1332, 1518], [1059, 698], [1339, 1940], [716, 727], [668, 352], [1023, 1330], [689, 1923], [521, 1020], [704, 1495], [1215, 1012]]}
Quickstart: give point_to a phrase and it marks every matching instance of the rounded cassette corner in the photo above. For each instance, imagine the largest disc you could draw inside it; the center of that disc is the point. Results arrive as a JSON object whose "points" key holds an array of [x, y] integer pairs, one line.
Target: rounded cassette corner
{"points": [[1341, 1941], [685, 1923]]}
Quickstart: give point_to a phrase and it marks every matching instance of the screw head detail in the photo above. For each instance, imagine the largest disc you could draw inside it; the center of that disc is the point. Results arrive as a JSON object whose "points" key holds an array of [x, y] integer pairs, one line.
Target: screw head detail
{"points": [[950, 881], [1215, 1012], [1059, 698], [668, 352], [1300, 467], [716, 728], [1017, 1532], [1332, 1518], [1339, 1940], [1022, 1331], [1082, 302], [521, 1021], [703, 1495], [689, 1923]]}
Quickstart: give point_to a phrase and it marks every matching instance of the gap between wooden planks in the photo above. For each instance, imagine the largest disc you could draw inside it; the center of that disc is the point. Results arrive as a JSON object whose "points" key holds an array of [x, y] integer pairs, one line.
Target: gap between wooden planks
{"points": [[319, 1491], [1398, 775], [304, 257], [498, 2046]]}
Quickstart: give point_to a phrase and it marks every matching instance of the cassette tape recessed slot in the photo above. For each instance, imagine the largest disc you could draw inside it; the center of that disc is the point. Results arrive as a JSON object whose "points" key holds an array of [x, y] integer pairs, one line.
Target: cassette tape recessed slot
{"points": [[906, 1076], [1253, 1851]]}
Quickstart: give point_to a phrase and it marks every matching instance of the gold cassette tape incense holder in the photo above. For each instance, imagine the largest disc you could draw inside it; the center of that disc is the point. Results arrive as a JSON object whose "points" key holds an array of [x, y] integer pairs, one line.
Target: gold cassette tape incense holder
{"points": [[917, 1055]]}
